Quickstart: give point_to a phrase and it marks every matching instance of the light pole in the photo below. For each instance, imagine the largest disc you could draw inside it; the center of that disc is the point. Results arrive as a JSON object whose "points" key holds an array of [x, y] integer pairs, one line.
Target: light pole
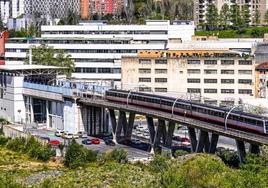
{"points": [[226, 118]]}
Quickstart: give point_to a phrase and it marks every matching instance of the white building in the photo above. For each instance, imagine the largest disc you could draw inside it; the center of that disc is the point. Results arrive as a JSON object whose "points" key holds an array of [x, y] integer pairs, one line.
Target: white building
{"points": [[97, 48], [5, 10]]}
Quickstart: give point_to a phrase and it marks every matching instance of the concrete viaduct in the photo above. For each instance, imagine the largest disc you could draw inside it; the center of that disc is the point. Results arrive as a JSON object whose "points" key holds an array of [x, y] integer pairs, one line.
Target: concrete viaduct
{"points": [[161, 135]]}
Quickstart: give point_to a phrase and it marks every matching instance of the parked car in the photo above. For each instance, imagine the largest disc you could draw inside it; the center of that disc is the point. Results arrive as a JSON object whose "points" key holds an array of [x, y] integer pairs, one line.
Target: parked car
{"points": [[87, 141], [95, 141], [181, 139], [109, 142], [59, 133], [136, 141], [54, 142], [68, 135], [146, 135], [82, 134]]}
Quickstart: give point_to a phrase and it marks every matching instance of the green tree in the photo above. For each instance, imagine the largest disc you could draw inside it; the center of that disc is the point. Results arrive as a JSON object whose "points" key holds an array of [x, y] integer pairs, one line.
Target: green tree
{"points": [[256, 19], [235, 16], [212, 17], [245, 15], [266, 17], [224, 18], [45, 55]]}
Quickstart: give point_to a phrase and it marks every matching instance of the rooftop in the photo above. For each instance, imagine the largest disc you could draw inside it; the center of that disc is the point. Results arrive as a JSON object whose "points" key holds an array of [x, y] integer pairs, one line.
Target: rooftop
{"points": [[27, 67], [31, 70]]}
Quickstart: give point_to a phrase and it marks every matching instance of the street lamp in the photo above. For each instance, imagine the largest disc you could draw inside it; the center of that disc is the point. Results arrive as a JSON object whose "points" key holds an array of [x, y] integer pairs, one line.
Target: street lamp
{"points": [[225, 121]]}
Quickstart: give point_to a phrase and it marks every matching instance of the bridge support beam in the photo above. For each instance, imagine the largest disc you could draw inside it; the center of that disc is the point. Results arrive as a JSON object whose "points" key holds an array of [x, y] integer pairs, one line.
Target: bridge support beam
{"points": [[160, 133], [193, 139], [213, 143], [113, 120], [171, 128], [130, 125], [203, 142], [150, 124], [255, 149], [241, 150]]}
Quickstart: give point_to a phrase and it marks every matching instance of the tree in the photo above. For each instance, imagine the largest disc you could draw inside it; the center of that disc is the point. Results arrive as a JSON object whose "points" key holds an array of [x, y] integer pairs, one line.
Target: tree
{"points": [[224, 18], [256, 19], [266, 17], [235, 16], [129, 11], [45, 55], [245, 14], [72, 18], [212, 17]]}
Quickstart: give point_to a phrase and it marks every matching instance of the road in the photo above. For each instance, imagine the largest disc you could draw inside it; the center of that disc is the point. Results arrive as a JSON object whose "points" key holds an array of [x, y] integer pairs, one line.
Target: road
{"points": [[133, 153]]}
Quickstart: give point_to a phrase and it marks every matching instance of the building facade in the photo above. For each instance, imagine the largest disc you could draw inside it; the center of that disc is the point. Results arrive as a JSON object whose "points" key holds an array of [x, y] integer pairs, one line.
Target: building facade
{"points": [[84, 9], [200, 8], [106, 6], [97, 48], [220, 77]]}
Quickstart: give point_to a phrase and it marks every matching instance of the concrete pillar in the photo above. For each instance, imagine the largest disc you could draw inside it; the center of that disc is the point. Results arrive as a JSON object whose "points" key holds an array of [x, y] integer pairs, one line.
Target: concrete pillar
{"points": [[241, 150], [150, 124], [159, 132], [193, 139], [113, 119], [120, 124], [130, 124], [171, 128], [32, 111], [253, 148], [202, 141], [213, 143], [47, 117]]}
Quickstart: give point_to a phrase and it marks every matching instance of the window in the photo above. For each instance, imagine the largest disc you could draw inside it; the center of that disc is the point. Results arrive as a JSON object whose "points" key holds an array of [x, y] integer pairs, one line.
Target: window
{"points": [[160, 71], [104, 70], [244, 71], [227, 62], [1, 93], [227, 81], [160, 80], [210, 81], [193, 90], [160, 61], [193, 62], [144, 61], [145, 71], [210, 62], [227, 90], [193, 80], [211, 102], [245, 81], [193, 71], [245, 91], [160, 89], [210, 90], [245, 62], [145, 89], [144, 79], [210, 71], [227, 71]]}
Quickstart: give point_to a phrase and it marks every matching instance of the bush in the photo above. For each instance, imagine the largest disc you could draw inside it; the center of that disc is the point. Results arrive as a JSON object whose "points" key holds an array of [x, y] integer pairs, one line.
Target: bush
{"points": [[179, 153], [32, 147], [229, 157], [118, 155], [77, 155], [159, 164], [3, 140]]}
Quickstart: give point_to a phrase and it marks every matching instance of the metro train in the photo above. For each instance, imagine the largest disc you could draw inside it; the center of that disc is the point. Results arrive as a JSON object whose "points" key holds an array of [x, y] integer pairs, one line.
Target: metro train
{"points": [[216, 115]]}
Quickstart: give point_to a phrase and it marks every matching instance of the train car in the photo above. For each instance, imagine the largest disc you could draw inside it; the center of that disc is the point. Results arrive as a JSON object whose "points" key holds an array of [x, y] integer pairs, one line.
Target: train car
{"points": [[216, 115]]}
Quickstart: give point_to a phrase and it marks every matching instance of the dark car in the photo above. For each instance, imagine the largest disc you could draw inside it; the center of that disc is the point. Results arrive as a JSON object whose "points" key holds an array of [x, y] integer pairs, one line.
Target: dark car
{"points": [[109, 142], [87, 142]]}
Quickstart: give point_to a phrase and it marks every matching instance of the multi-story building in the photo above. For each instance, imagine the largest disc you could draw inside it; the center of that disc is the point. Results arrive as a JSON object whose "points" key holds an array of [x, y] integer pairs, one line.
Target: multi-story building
{"points": [[200, 8], [106, 6], [5, 10], [97, 48], [84, 9], [220, 72]]}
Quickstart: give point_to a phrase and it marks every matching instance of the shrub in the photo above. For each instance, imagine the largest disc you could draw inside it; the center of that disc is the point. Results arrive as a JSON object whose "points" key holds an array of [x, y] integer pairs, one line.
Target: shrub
{"points": [[159, 164], [77, 155], [32, 147], [16, 144], [179, 153], [3, 140], [229, 157], [118, 155]]}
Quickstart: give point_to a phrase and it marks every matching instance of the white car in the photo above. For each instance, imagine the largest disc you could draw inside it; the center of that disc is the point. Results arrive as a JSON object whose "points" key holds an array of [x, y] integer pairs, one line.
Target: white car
{"points": [[69, 135], [59, 133], [82, 134], [146, 135], [139, 134]]}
